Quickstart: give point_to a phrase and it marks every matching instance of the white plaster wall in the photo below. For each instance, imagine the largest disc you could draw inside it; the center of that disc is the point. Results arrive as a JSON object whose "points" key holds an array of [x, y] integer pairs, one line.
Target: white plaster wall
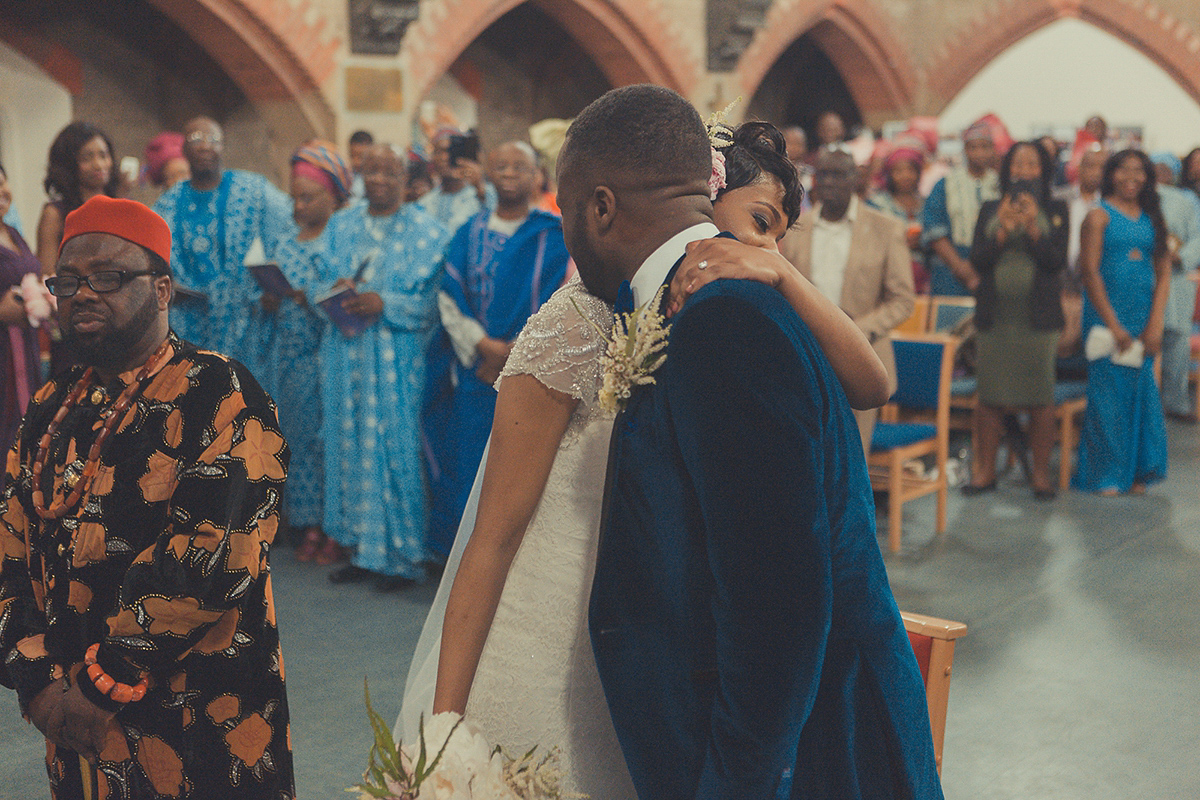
{"points": [[1060, 75], [33, 109]]}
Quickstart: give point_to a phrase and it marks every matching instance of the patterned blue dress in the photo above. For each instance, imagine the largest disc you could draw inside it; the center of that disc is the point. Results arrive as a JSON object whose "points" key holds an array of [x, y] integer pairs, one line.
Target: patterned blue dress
{"points": [[292, 376], [1124, 437], [211, 233], [372, 386]]}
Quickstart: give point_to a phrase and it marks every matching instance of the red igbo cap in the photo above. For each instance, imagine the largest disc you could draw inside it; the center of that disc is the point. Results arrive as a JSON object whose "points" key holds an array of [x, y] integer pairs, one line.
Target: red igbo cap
{"points": [[128, 219]]}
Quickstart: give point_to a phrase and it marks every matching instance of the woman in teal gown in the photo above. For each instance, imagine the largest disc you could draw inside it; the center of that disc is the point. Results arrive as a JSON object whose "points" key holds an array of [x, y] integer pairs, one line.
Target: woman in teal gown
{"points": [[1126, 270]]}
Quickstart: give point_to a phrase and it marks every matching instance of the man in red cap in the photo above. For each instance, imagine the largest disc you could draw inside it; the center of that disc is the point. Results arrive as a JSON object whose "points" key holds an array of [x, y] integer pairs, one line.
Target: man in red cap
{"points": [[141, 498]]}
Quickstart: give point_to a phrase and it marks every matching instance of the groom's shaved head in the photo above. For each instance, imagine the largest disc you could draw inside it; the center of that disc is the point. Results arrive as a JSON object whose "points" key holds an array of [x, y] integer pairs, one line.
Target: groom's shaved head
{"points": [[639, 137], [633, 172]]}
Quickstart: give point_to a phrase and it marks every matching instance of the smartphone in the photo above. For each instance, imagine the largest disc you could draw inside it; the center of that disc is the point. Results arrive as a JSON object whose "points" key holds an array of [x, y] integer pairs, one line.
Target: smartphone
{"points": [[465, 146], [131, 168], [1032, 188]]}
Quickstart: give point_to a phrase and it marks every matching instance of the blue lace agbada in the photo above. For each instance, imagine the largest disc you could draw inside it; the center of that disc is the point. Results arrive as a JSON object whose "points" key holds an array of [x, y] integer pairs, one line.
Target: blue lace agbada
{"points": [[372, 384], [500, 281], [291, 373], [211, 233]]}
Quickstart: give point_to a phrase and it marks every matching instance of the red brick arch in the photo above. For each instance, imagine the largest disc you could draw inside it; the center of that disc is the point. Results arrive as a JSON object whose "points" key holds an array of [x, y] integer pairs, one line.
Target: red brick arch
{"points": [[268, 48], [55, 60], [856, 38], [1163, 38], [626, 38]]}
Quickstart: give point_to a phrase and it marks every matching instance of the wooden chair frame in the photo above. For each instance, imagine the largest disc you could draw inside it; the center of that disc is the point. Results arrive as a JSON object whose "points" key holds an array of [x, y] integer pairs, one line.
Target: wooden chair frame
{"points": [[1067, 413], [1194, 370], [942, 634], [918, 320], [886, 468]]}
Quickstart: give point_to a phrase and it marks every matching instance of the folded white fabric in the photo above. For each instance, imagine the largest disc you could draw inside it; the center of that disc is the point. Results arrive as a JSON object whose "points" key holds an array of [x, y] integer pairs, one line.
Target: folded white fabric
{"points": [[1102, 344]]}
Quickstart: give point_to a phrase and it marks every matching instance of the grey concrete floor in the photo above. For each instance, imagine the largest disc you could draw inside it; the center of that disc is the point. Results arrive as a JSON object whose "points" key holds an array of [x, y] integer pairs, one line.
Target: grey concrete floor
{"points": [[1079, 677]]}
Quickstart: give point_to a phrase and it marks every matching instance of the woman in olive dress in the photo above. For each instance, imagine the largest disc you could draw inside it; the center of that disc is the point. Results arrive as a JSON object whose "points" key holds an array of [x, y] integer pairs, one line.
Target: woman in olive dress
{"points": [[1019, 252]]}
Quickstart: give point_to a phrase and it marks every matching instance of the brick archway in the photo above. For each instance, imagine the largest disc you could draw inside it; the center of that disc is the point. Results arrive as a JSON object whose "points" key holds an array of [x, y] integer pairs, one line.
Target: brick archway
{"points": [[268, 48], [1163, 38], [55, 60], [626, 39], [854, 36]]}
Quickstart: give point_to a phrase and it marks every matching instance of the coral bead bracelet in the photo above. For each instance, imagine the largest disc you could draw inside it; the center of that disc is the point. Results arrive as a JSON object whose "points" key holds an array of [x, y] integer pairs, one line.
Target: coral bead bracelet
{"points": [[120, 692]]}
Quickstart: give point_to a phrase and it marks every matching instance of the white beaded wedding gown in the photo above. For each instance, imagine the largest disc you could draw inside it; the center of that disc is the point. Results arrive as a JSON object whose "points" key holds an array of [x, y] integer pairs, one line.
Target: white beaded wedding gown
{"points": [[536, 682]]}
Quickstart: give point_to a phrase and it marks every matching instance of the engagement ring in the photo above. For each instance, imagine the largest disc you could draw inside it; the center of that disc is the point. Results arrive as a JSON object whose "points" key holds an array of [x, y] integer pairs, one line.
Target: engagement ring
{"points": [[702, 265]]}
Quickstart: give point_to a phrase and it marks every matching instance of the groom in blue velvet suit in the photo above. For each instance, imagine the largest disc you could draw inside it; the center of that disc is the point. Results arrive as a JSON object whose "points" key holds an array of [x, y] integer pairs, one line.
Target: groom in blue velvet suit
{"points": [[743, 627]]}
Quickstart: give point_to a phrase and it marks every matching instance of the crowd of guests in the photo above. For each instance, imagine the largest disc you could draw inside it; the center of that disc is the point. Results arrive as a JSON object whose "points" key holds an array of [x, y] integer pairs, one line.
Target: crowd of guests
{"points": [[146, 484], [1082, 263], [377, 303], [378, 300]]}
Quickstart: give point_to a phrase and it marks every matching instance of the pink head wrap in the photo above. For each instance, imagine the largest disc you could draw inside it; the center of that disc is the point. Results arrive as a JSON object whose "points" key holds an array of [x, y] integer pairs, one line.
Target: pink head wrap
{"points": [[319, 161], [445, 132], [162, 149], [304, 169], [907, 146], [990, 126]]}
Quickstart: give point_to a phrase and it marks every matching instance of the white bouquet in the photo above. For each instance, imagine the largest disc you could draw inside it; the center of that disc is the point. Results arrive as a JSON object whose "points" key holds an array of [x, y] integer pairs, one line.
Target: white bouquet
{"points": [[452, 761]]}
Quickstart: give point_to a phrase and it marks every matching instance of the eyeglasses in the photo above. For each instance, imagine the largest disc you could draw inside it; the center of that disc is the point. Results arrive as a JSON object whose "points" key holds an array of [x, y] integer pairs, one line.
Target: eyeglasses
{"points": [[195, 137], [103, 282]]}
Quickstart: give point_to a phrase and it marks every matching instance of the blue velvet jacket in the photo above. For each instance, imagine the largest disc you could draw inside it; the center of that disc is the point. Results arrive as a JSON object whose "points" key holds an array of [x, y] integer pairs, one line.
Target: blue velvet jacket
{"points": [[743, 626]]}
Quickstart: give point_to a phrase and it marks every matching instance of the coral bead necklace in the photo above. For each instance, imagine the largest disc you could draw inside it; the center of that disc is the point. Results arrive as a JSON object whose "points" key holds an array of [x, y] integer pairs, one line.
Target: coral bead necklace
{"points": [[82, 480]]}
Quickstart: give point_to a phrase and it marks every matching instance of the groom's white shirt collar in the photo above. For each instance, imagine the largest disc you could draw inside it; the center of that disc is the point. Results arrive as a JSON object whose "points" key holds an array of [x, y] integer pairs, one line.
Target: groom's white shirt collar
{"points": [[654, 270]]}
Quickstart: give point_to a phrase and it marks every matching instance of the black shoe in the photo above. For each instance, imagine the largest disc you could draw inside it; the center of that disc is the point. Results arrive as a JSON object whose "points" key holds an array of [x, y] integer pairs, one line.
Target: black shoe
{"points": [[970, 490], [393, 583], [1044, 494], [350, 574]]}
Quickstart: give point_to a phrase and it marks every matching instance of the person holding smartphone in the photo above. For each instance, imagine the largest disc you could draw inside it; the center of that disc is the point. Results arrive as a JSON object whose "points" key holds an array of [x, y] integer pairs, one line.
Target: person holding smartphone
{"points": [[1017, 257], [462, 190]]}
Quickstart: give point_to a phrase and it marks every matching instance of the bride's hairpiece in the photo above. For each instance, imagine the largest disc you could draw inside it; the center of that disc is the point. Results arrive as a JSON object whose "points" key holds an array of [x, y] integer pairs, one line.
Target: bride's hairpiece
{"points": [[720, 136]]}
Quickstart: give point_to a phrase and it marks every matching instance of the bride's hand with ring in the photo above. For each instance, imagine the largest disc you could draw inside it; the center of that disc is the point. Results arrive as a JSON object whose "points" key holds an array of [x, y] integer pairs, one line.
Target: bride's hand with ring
{"points": [[708, 260]]}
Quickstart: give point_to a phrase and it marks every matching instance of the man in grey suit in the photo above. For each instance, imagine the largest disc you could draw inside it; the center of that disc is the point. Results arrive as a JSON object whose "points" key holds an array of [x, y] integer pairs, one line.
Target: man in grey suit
{"points": [[857, 257]]}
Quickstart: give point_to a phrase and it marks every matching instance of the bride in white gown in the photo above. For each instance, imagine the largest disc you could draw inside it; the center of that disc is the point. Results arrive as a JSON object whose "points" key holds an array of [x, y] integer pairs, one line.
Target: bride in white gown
{"points": [[506, 641]]}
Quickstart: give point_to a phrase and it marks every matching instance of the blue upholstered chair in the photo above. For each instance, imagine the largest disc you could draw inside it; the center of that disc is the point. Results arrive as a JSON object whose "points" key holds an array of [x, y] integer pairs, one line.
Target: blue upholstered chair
{"points": [[944, 314], [947, 311], [915, 423]]}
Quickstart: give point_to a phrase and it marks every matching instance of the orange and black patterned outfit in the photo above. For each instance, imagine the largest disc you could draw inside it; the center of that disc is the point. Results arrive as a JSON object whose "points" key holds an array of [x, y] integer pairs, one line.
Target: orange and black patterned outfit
{"points": [[164, 562]]}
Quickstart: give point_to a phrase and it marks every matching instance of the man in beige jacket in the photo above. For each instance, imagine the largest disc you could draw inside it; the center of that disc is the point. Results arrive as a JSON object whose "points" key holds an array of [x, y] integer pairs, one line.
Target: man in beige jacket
{"points": [[857, 257]]}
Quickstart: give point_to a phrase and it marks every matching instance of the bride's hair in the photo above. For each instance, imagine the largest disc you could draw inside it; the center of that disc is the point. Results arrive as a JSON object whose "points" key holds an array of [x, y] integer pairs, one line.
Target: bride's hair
{"points": [[757, 148]]}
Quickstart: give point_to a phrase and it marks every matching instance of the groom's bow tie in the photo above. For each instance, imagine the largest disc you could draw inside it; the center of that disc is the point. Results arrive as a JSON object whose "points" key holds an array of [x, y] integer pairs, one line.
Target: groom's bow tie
{"points": [[624, 304]]}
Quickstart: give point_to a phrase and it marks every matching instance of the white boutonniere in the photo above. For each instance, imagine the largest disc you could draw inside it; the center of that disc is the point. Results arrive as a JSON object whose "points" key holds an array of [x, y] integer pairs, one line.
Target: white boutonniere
{"points": [[636, 349]]}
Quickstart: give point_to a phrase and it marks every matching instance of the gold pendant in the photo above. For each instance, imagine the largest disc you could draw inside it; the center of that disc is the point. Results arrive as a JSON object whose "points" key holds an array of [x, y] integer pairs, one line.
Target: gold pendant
{"points": [[72, 473]]}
